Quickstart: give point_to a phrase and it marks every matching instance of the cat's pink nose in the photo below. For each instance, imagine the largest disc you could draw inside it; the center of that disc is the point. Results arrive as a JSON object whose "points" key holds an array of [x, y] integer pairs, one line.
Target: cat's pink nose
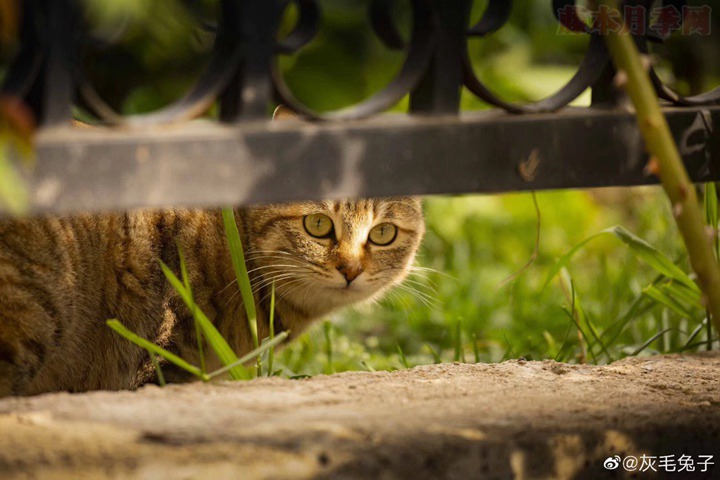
{"points": [[350, 273]]}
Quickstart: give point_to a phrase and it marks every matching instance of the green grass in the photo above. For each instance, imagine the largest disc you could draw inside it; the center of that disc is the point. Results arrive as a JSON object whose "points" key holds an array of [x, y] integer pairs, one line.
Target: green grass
{"points": [[205, 329], [596, 291], [624, 291]]}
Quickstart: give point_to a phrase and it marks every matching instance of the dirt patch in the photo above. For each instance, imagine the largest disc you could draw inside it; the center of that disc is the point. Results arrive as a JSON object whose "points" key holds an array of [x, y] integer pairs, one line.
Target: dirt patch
{"points": [[512, 420]]}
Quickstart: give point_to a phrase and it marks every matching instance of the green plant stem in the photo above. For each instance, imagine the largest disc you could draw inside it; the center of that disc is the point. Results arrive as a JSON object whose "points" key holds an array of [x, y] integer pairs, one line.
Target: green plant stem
{"points": [[152, 348], [243, 280], [271, 352], [156, 364], [670, 169], [327, 330], [253, 354], [193, 309]]}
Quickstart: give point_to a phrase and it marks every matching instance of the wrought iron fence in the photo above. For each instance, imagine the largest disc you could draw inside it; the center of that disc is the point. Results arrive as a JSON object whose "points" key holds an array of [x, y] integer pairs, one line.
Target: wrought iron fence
{"points": [[134, 160]]}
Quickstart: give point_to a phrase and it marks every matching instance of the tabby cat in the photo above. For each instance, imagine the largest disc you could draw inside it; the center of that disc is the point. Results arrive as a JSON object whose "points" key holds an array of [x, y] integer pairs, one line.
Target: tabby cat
{"points": [[61, 278]]}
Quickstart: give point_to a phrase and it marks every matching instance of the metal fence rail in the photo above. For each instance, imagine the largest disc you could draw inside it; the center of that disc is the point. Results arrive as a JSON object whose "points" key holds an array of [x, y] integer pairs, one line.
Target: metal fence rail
{"points": [[141, 161]]}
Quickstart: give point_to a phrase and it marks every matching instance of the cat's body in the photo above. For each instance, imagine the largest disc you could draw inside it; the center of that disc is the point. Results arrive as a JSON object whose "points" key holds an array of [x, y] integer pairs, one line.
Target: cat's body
{"points": [[61, 278]]}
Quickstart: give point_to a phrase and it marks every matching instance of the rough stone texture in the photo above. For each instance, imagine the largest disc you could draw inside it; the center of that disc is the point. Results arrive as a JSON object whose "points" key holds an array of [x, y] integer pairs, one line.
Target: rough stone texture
{"points": [[512, 420]]}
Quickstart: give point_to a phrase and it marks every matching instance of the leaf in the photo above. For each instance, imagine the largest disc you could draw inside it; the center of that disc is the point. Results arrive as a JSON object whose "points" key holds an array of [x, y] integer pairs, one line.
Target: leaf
{"points": [[653, 257], [215, 340], [682, 294], [642, 249], [238, 261], [17, 126], [152, 348], [662, 297], [565, 259], [14, 194]]}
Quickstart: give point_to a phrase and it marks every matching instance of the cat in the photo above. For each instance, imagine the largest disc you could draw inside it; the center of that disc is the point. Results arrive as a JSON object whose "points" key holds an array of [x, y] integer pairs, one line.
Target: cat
{"points": [[62, 277]]}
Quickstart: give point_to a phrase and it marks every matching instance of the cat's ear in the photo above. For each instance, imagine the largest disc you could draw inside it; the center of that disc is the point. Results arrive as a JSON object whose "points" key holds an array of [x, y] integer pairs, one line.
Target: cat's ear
{"points": [[284, 113]]}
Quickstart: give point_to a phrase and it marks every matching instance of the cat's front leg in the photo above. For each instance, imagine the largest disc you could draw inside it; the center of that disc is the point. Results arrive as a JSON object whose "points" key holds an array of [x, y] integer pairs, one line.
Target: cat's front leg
{"points": [[27, 336]]}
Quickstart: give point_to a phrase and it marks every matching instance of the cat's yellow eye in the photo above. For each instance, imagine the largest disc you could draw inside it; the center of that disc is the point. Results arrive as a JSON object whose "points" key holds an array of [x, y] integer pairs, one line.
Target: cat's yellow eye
{"points": [[383, 234], [318, 224]]}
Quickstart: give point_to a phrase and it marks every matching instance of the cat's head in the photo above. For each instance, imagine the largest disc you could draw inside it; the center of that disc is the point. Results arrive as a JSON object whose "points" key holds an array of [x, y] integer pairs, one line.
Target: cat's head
{"points": [[329, 254]]}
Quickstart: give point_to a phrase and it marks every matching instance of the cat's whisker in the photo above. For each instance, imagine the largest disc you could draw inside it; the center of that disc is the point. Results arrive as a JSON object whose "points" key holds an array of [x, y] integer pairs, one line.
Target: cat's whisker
{"points": [[257, 250], [424, 298], [296, 288], [274, 278], [394, 294], [432, 270], [255, 289], [259, 287], [227, 286], [419, 285], [300, 263], [419, 292], [270, 255], [235, 294], [256, 269], [287, 287], [275, 265]]}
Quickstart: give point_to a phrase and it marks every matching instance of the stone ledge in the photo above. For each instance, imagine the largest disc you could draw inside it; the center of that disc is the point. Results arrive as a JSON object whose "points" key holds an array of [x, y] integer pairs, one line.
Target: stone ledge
{"points": [[512, 420]]}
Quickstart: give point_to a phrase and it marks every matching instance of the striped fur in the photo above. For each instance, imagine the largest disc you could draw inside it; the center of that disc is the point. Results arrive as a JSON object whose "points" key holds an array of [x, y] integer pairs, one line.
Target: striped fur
{"points": [[61, 278]]}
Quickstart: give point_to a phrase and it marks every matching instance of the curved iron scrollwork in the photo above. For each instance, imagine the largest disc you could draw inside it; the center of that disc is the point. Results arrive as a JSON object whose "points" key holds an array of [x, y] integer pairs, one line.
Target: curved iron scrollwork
{"points": [[592, 65], [243, 74], [418, 56]]}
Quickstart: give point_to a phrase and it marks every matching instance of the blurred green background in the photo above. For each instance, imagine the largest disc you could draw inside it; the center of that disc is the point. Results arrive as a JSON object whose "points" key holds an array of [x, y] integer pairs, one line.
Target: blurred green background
{"points": [[457, 307]]}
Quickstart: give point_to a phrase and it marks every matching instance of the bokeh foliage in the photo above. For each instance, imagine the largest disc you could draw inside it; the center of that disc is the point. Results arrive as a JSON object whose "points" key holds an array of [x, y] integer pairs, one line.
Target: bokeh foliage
{"points": [[154, 50]]}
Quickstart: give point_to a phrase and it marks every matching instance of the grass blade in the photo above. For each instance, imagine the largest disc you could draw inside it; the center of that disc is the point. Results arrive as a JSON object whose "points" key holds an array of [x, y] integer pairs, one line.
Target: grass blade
{"points": [[215, 340], [649, 341], [366, 366], [459, 353], [327, 332], [14, 196], [711, 212], [476, 349], [266, 345], [565, 259], [271, 352], [711, 218], [653, 257], [238, 261], [683, 294], [403, 360], [198, 328], [559, 355], [695, 332], [436, 356], [158, 370], [642, 249], [152, 348], [660, 296]]}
